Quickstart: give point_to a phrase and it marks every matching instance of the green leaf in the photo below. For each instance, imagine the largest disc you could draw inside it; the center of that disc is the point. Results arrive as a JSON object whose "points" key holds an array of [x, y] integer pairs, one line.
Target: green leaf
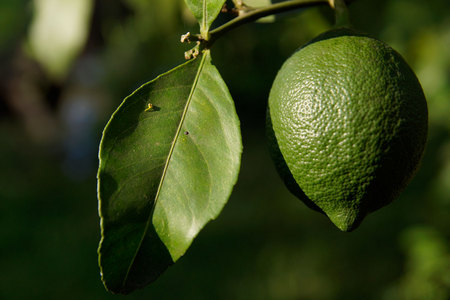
{"points": [[164, 172], [205, 11]]}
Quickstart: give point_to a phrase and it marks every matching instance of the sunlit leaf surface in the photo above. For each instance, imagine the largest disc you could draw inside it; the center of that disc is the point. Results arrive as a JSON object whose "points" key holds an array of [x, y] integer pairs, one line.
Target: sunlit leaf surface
{"points": [[169, 158]]}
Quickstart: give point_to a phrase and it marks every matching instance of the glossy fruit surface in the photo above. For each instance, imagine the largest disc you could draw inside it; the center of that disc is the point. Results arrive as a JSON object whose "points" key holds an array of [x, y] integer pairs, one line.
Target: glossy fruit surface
{"points": [[347, 125]]}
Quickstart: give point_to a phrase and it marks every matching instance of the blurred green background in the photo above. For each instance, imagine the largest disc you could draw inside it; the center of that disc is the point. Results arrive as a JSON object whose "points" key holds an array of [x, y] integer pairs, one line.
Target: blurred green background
{"points": [[66, 65]]}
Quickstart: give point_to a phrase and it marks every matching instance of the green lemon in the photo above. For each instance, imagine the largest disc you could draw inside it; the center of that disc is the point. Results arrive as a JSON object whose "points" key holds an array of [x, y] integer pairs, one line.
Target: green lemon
{"points": [[347, 125]]}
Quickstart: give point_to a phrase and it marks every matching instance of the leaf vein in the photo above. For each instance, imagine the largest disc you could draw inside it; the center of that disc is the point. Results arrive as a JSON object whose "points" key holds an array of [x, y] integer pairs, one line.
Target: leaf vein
{"points": [[194, 86]]}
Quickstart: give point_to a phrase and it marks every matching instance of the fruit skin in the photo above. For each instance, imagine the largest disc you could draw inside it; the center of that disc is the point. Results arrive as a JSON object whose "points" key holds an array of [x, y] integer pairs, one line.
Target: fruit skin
{"points": [[347, 125]]}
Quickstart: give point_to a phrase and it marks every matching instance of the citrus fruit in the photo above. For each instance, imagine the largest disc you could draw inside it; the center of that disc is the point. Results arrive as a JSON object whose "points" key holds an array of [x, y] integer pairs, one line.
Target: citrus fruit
{"points": [[347, 125]]}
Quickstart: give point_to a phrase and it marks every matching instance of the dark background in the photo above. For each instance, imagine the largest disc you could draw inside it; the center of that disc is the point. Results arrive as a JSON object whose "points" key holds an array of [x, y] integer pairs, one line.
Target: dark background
{"points": [[63, 73]]}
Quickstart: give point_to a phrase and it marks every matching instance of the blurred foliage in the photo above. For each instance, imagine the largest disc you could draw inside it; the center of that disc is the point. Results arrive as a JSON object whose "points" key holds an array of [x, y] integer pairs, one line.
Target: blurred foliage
{"points": [[266, 244], [14, 15], [57, 33]]}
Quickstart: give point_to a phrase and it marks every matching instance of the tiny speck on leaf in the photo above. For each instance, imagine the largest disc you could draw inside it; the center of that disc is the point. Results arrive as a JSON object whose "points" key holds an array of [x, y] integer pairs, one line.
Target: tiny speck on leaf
{"points": [[186, 133], [149, 107]]}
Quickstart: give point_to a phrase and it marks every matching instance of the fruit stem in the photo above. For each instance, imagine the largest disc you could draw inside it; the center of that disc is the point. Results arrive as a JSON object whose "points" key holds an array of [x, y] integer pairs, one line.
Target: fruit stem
{"points": [[252, 14], [341, 12], [257, 13]]}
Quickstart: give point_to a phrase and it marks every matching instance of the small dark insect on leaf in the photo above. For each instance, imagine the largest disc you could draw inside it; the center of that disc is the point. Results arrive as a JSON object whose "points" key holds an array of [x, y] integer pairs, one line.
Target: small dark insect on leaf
{"points": [[186, 133]]}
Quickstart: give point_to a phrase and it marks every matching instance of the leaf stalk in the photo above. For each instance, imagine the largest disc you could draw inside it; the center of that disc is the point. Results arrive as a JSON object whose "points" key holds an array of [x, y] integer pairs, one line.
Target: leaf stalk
{"points": [[253, 14]]}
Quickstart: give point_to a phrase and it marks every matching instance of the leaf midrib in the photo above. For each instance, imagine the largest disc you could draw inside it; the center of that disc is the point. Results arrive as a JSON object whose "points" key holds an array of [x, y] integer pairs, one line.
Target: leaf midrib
{"points": [[172, 147], [205, 16]]}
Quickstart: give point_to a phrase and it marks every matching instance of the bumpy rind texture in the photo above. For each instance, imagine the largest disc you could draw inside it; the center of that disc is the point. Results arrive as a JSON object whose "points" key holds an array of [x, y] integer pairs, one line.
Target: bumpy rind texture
{"points": [[347, 125]]}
